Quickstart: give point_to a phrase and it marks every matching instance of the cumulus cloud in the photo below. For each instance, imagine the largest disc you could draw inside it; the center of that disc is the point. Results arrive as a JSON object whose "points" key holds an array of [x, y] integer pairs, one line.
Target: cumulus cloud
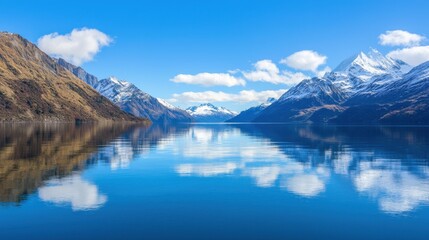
{"points": [[77, 47], [306, 60], [267, 71], [242, 96], [400, 38], [210, 79], [322, 72], [411, 55]]}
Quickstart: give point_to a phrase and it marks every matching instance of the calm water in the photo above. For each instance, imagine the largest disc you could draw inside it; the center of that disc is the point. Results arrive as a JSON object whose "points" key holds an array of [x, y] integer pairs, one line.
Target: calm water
{"points": [[213, 182]]}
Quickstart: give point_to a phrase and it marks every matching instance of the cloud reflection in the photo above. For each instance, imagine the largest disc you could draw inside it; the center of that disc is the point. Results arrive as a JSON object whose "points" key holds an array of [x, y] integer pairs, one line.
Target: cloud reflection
{"points": [[256, 158], [306, 185], [206, 170], [302, 160], [397, 190], [73, 191]]}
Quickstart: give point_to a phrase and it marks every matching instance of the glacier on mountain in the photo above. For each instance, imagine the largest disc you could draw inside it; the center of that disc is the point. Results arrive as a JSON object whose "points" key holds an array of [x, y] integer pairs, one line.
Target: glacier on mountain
{"points": [[368, 88], [207, 112]]}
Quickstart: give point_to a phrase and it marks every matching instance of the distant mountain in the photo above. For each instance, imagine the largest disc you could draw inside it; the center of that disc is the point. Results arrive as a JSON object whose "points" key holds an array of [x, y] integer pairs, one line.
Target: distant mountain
{"points": [[366, 89], [33, 87], [209, 113], [251, 113], [130, 98]]}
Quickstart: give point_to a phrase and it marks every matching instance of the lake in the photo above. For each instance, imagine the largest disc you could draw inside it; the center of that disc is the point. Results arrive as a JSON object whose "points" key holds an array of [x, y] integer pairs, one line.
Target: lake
{"points": [[213, 181]]}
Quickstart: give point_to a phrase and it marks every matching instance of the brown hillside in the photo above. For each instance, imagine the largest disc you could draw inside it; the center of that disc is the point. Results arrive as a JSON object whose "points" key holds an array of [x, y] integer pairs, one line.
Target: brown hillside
{"points": [[33, 87]]}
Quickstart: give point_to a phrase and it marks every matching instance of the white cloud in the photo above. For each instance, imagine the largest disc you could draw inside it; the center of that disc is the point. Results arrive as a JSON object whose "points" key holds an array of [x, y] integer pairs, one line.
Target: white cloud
{"points": [[73, 190], [306, 60], [267, 71], [210, 79], [242, 96], [322, 72], [77, 47], [400, 38], [411, 55]]}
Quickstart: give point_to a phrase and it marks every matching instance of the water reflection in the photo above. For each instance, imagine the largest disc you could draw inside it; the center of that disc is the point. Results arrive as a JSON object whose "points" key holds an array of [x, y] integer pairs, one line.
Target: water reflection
{"points": [[72, 190], [389, 164], [398, 190], [206, 170], [385, 165], [31, 154], [50, 158]]}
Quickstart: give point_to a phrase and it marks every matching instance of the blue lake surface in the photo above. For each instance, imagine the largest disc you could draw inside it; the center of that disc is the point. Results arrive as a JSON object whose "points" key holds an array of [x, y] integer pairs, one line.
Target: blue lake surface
{"points": [[213, 181]]}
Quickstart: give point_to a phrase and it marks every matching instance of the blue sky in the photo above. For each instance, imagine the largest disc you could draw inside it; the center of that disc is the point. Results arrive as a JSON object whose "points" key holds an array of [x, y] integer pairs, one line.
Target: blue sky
{"points": [[154, 41]]}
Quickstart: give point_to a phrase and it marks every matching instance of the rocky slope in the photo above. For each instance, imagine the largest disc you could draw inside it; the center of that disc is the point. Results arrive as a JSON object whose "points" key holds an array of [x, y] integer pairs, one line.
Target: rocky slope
{"points": [[33, 87], [130, 98]]}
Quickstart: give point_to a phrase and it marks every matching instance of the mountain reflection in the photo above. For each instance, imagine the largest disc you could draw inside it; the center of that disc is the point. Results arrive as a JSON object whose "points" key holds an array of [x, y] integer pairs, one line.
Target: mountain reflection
{"points": [[389, 164], [50, 157]]}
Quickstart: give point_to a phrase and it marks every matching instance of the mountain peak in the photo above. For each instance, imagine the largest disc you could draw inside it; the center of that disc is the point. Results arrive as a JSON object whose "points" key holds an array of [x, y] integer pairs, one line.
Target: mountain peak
{"points": [[208, 104], [7, 33], [116, 80], [367, 65], [207, 112]]}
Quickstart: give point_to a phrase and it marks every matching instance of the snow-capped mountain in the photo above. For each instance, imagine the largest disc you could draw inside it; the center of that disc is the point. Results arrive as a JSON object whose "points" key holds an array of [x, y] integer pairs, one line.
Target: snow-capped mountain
{"points": [[133, 100], [320, 90], [209, 113], [365, 66], [348, 78], [339, 96], [354, 73], [119, 91], [403, 100], [251, 113], [130, 98], [167, 104], [300, 102]]}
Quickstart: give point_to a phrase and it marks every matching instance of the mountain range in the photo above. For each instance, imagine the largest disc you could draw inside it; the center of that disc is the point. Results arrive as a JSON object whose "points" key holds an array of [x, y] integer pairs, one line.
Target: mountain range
{"points": [[368, 88], [130, 98], [34, 87], [207, 112]]}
